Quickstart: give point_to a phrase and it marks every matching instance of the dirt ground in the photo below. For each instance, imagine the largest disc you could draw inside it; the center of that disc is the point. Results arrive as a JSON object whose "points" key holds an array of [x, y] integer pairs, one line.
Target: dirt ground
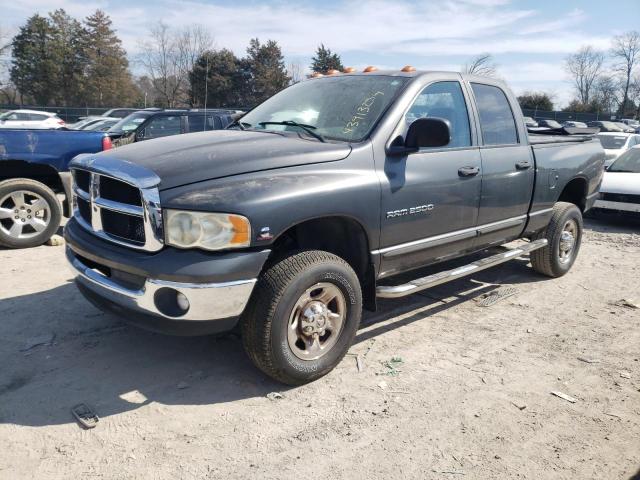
{"points": [[470, 398]]}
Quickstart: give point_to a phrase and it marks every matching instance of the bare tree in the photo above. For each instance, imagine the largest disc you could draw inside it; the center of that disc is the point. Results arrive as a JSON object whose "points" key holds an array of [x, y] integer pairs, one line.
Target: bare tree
{"points": [[626, 54], [604, 93], [7, 89], [482, 64], [192, 42], [584, 67], [168, 57], [295, 72]]}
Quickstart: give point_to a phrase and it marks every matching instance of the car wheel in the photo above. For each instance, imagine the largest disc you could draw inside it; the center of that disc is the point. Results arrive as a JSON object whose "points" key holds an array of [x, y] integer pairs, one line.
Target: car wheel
{"points": [[564, 234], [303, 316], [29, 213]]}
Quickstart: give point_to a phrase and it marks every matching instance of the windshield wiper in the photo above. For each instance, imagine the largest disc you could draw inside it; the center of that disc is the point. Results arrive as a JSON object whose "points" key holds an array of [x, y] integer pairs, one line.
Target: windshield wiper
{"points": [[238, 123], [290, 123]]}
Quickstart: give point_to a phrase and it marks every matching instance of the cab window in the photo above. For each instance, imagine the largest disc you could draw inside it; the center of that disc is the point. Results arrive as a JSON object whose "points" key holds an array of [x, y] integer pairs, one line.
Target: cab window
{"points": [[163, 126], [444, 100], [496, 118]]}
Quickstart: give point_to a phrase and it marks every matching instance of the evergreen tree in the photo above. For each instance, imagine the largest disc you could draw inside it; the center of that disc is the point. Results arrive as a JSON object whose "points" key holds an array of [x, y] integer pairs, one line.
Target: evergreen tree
{"points": [[268, 73], [325, 60], [69, 47], [34, 66], [224, 80], [108, 82]]}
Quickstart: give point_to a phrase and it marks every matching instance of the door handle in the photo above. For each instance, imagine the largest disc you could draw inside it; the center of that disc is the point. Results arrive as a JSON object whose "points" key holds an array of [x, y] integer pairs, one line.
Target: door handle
{"points": [[523, 165], [468, 171]]}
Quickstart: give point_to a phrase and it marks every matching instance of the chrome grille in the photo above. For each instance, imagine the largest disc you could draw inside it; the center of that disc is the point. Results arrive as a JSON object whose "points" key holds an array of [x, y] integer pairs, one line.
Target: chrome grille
{"points": [[118, 210]]}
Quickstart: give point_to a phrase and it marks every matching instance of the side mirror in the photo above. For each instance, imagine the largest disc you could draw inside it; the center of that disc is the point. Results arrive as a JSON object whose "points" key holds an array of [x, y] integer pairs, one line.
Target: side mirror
{"points": [[423, 133], [428, 132], [140, 135]]}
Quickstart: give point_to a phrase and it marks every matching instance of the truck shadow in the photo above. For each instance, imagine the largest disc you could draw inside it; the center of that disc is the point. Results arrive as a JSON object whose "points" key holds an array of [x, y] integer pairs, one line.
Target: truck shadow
{"points": [[58, 351]]}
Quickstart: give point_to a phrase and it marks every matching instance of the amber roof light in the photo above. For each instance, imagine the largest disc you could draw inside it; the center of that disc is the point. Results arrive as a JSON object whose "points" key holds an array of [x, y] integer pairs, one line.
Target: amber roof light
{"points": [[408, 68], [316, 75], [349, 70], [333, 72], [370, 69]]}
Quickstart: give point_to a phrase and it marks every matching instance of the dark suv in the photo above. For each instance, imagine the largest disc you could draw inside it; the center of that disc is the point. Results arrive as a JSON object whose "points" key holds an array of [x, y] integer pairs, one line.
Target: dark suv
{"points": [[156, 123]]}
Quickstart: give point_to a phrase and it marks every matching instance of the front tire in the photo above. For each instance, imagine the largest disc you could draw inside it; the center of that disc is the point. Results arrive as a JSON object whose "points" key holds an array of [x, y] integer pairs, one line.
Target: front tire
{"points": [[564, 234], [30, 213], [302, 317]]}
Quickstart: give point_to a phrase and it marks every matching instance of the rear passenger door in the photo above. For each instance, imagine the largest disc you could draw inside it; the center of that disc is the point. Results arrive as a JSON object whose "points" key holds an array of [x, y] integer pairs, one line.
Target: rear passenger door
{"points": [[507, 167]]}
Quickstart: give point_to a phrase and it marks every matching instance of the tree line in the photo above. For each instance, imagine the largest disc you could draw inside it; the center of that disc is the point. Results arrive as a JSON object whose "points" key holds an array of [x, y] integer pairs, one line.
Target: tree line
{"points": [[58, 60]]}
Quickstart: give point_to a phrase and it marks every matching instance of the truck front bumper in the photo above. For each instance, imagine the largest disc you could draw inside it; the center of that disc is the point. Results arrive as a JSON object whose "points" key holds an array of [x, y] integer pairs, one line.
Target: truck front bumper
{"points": [[165, 305]]}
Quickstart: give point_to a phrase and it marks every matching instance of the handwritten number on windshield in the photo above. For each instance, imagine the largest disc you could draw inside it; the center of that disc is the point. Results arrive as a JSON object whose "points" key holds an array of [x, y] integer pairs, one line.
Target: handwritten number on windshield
{"points": [[361, 113]]}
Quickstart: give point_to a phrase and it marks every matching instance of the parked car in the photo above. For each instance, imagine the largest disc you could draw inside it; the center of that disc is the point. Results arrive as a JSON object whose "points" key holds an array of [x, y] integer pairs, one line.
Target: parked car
{"points": [[615, 144], [632, 122], [605, 126], [86, 122], [298, 215], [574, 124], [101, 125], [156, 123], [31, 119], [624, 127], [119, 112], [548, 123], [530, 122], [620, 190], [33, 169]]}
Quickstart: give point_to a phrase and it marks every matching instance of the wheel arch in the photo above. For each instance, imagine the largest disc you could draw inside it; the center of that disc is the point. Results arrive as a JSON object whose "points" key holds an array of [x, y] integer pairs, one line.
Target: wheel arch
{"points": [[575, 191], [339, 234]]}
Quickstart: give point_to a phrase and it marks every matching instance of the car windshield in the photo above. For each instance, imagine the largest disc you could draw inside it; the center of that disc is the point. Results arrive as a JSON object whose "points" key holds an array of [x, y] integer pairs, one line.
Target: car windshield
{"points": [[612, 142], [130, 123], [629, 161], [339, 108], [6, 115]]}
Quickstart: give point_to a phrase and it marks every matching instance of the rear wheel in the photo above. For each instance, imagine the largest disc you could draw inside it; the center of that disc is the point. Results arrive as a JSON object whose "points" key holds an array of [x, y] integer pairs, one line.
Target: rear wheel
{"points": [[564, 234], [29, 213], [302, 317]]}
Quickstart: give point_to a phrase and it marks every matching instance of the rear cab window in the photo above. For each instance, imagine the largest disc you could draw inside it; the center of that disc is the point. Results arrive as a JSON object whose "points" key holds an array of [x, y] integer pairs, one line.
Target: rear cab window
{"points": [[497, 122]]}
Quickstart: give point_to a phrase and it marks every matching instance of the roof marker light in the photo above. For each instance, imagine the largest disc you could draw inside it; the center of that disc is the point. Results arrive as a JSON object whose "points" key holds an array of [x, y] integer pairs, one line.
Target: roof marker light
{"points": [[408, 68], [333, 72], [349, 70], [370, 69]]}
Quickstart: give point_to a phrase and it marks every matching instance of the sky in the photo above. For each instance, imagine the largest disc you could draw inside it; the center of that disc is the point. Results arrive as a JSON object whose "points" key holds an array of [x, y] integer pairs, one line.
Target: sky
{"points": [[528, 39]]}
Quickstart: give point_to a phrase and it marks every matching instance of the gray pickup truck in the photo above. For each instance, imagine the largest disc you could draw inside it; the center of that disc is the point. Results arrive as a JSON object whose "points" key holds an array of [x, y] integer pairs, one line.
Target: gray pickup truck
{"points": [[300, 214]]}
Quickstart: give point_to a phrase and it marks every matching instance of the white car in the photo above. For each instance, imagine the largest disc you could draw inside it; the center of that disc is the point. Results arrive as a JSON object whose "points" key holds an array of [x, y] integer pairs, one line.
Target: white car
{"points": [[616, 143], [620, 189], [32, 119]]}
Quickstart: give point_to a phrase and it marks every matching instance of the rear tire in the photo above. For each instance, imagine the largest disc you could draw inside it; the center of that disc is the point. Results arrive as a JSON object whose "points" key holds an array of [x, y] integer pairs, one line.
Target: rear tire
{"points": [[30, 213], [564, 234], [302, 317]]}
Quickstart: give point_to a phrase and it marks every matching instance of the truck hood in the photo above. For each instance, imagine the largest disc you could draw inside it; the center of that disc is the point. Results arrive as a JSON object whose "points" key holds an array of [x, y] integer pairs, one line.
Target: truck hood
{"points": [[621, 182], [195, 157]]}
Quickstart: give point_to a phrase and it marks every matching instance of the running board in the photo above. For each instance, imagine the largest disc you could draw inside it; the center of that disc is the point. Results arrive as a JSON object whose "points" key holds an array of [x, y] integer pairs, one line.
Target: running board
{"points": [[396, 291]]}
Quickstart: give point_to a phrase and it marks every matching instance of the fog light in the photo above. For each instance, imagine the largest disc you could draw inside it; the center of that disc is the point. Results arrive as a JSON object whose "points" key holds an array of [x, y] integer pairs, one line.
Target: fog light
{"points": [[182, 300]]}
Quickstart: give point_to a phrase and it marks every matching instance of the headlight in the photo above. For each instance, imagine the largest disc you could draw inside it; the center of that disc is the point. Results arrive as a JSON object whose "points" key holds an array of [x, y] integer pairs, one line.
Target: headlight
{"points": [[210, 231]]}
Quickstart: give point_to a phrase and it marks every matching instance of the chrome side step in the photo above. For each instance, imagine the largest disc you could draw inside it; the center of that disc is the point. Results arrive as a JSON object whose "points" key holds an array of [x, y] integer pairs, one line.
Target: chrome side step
{"points": [[396, 291]]}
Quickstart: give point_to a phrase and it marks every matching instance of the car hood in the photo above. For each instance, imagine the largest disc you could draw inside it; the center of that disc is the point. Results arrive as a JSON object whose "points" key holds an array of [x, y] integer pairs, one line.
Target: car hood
{"points": [[195, 157], [621, 182]]}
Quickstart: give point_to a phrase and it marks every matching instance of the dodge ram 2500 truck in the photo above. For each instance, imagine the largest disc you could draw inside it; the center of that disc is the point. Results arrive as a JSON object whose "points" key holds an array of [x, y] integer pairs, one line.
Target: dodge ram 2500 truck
{"points": [[298, 215]]}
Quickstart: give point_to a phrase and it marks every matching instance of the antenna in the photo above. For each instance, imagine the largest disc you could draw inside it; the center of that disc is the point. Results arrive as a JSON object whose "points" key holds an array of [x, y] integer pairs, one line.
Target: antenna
{"points": [[206, 77]]}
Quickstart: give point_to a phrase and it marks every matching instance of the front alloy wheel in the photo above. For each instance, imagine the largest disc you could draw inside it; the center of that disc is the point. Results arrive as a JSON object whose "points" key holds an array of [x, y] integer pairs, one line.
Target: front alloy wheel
{"points": [[302, 317]]}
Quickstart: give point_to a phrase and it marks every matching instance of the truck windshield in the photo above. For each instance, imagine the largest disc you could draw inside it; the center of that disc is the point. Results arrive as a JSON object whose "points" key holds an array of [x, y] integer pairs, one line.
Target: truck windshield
{"points": [[337, 108], [612, 142], [629, 162], [130, 123]]}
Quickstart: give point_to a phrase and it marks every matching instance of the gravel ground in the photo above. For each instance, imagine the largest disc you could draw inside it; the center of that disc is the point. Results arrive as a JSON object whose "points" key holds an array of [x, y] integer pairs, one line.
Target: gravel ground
{"points": [[467, 394]]}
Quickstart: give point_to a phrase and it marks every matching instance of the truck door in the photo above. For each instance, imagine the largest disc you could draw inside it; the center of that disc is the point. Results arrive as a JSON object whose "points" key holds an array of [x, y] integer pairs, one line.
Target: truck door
{"points": [[430, 198], [507, 168]]}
